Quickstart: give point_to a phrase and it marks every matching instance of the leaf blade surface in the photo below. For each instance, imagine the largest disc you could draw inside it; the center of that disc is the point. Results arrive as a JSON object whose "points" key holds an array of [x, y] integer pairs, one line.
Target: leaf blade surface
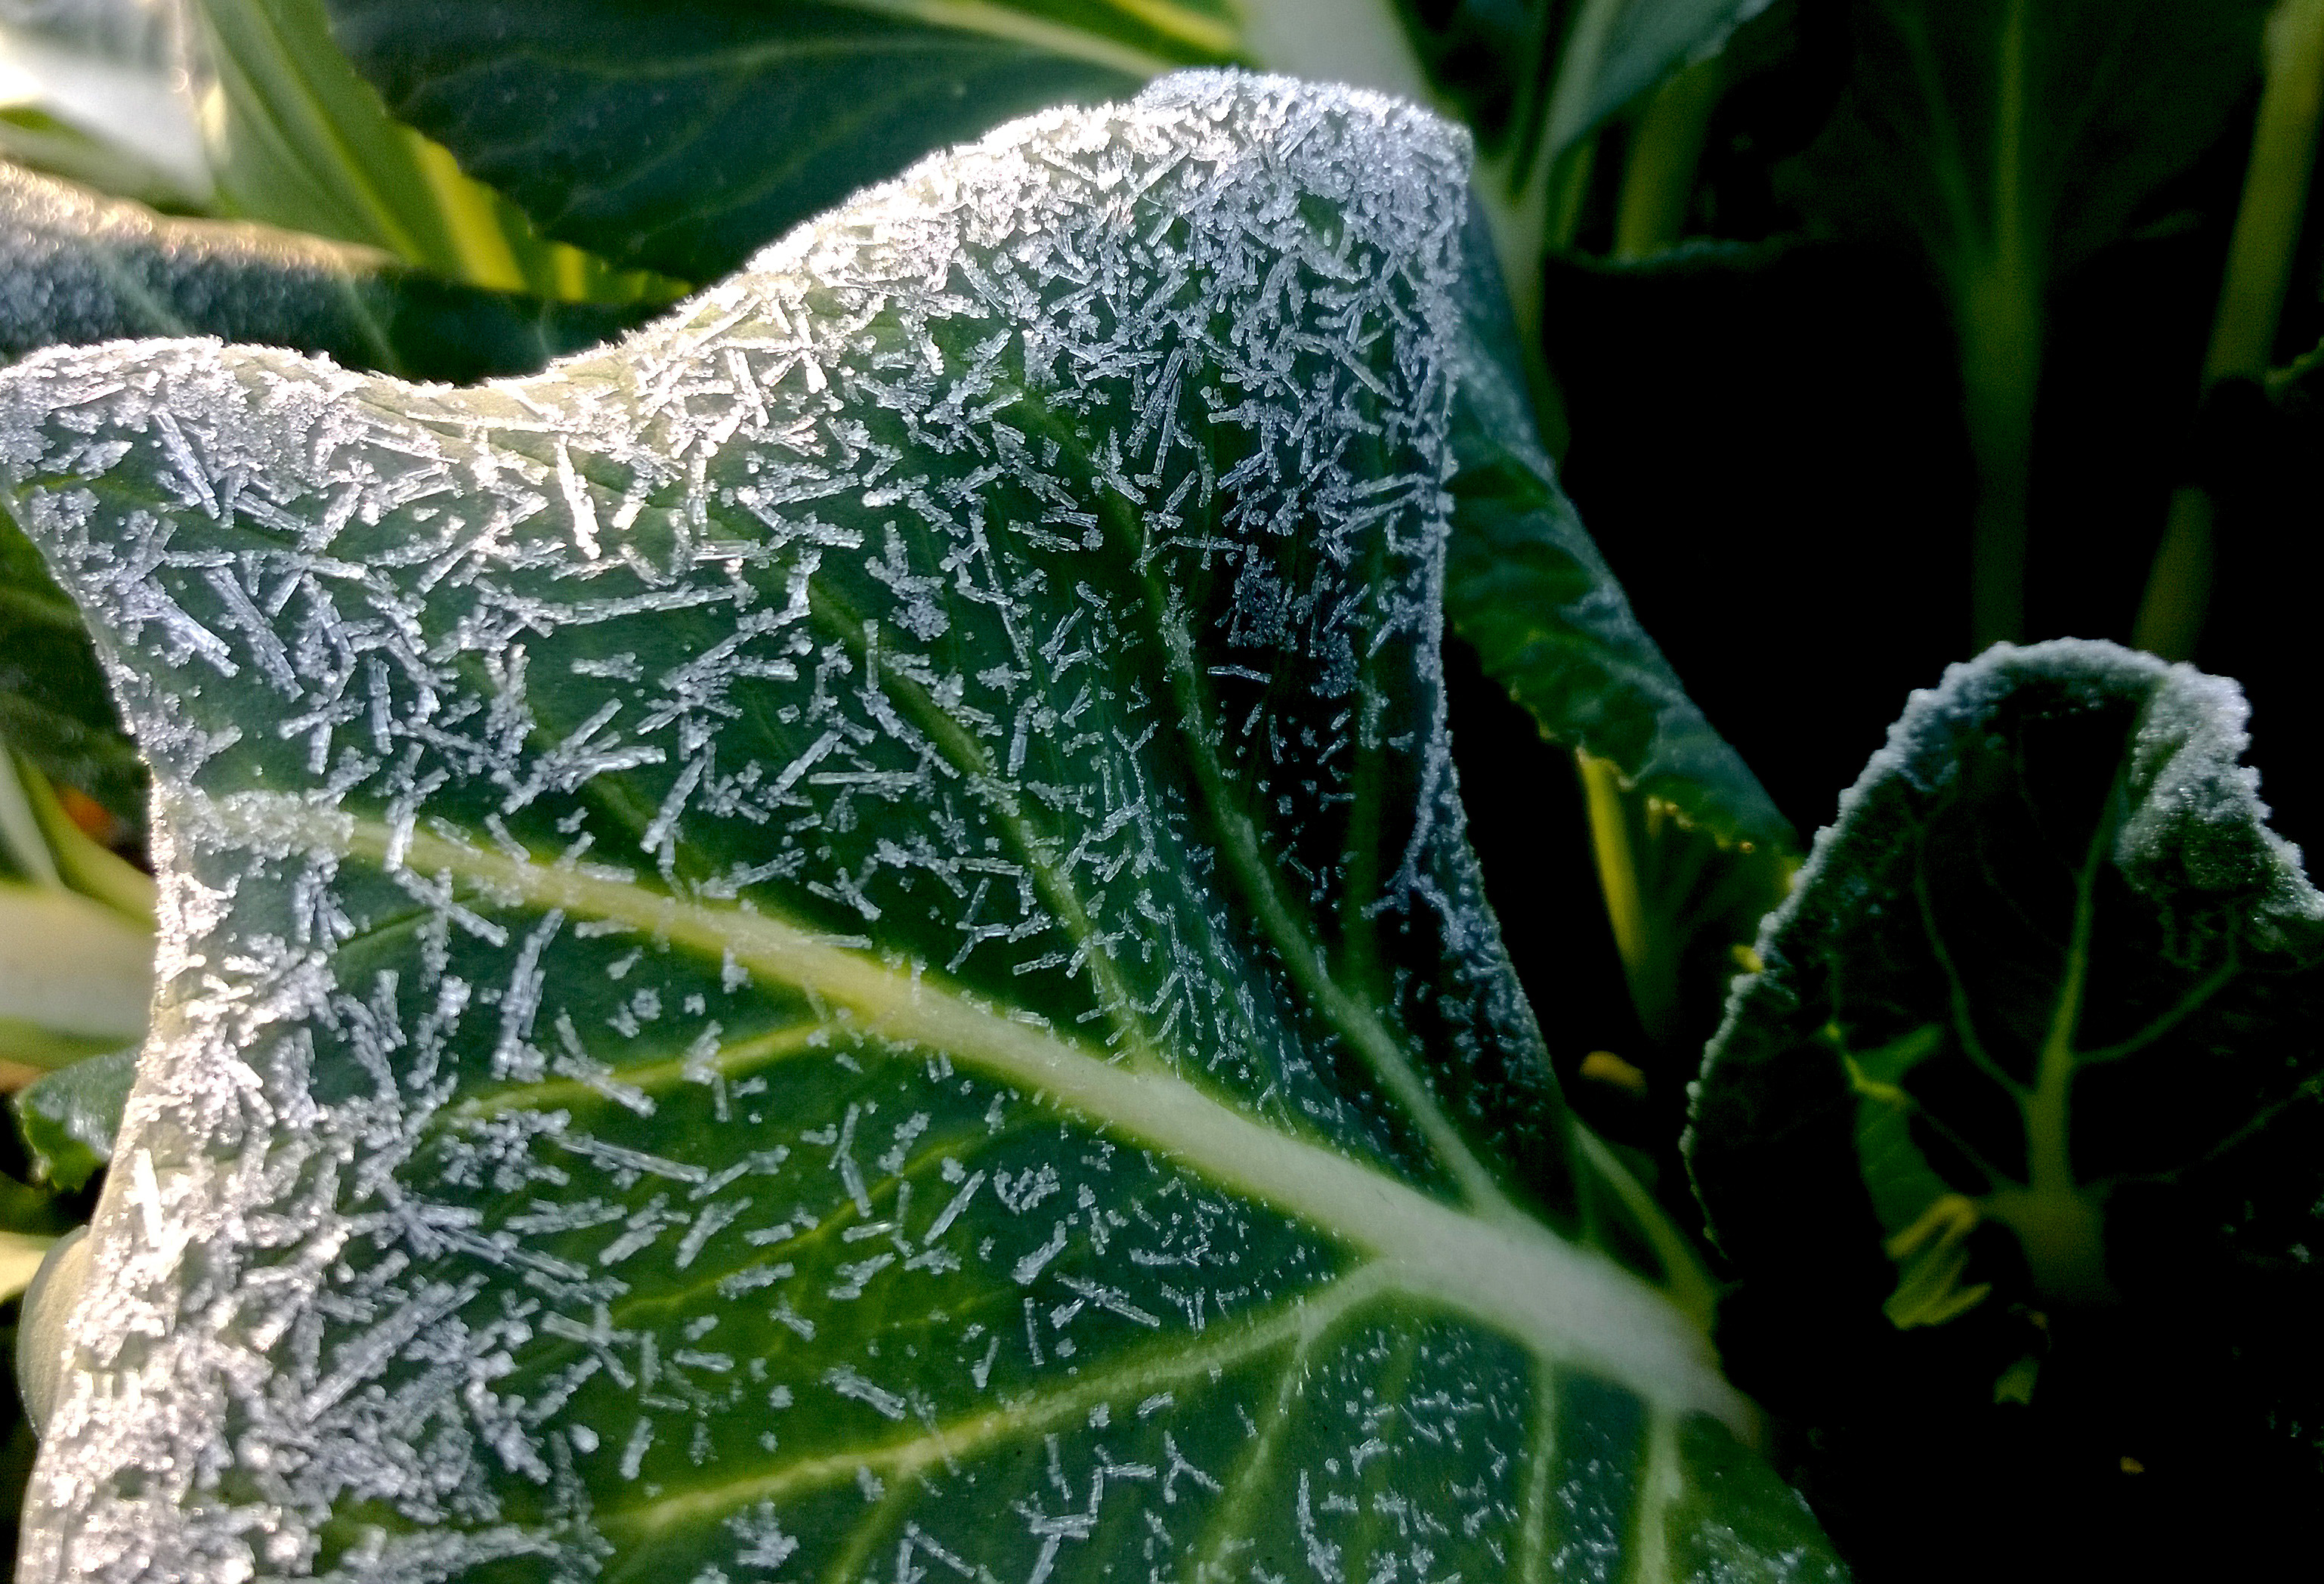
{"points": [[888, 963]]}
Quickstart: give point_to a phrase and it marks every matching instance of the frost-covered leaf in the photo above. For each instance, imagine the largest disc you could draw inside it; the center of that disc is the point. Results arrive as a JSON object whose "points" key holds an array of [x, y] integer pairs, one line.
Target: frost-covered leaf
{"points": [[2038, 1035], [840, 938], [682, 138], [77, 268]]}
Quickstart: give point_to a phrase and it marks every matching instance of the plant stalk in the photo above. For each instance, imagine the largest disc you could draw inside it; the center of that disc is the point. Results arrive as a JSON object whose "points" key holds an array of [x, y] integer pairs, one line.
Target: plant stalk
{"points": [[1658, 179], [1999, 301], [2001, 328], [1646, 961], [2251, 305]]}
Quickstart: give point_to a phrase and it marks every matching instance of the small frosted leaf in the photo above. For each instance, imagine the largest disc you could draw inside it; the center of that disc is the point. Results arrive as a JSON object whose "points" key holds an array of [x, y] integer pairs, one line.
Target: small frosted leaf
{"points": [[2036, 1035]]}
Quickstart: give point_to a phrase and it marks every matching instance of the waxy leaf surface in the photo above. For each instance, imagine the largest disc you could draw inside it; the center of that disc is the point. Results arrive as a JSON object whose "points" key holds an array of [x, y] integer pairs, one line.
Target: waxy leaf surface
{"points": [[838, 941]]}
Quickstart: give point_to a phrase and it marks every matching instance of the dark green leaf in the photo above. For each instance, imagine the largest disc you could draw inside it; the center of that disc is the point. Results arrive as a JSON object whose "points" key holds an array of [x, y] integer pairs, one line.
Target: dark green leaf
{"points": [[1535, 76], [2038, 1030], [54, 706], [843, 932], [67, 1118], [1619, 49], [682, 138], [1686, 907], [298, 140], [1483, 57], [2011, 140], [75, 268], [1526, 585]]}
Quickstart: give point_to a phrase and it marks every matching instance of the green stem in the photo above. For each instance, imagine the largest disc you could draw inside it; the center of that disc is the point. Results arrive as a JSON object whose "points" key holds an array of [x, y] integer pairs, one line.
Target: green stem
{"points": [[2001, 334], [1568, 188], [2059, 1223], [2179, 584], [2251, 303], [2276, 192], [1997, 310], [1650, 970], [1658, 179]]}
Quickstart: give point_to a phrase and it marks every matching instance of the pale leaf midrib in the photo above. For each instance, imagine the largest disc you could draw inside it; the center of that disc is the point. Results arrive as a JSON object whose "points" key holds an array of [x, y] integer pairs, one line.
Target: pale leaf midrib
{"points": [[647, 1077], [1568, 1304]]}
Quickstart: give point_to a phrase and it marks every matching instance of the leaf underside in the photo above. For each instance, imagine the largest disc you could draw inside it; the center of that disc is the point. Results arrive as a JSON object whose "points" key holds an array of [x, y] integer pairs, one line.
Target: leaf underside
{"points": [[838, 940], [2037, 1034]]}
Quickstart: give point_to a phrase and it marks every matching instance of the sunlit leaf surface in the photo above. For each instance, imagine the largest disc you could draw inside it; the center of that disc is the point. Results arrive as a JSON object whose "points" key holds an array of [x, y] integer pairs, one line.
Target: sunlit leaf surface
{"points": [[838, 942]]}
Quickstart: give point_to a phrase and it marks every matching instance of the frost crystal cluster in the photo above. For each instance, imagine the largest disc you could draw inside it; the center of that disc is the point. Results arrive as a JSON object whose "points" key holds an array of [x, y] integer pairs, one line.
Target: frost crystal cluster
{"points": [[835, 942]]}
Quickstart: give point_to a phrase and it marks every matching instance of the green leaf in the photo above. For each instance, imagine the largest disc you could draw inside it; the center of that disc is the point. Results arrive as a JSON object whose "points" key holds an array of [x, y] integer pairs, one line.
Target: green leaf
{"points": [[843, 932], [683, 138], [1691, 851], [1524, 586], [298, 140], [2050, 978], [1685, 905], [40, 1327], [76, 932], [99, 94], [75, 268], [79, 268], [21, 1254], [69, 1117], [1619, 49], [2013, 139], [54, 708], [2008, 141]]}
